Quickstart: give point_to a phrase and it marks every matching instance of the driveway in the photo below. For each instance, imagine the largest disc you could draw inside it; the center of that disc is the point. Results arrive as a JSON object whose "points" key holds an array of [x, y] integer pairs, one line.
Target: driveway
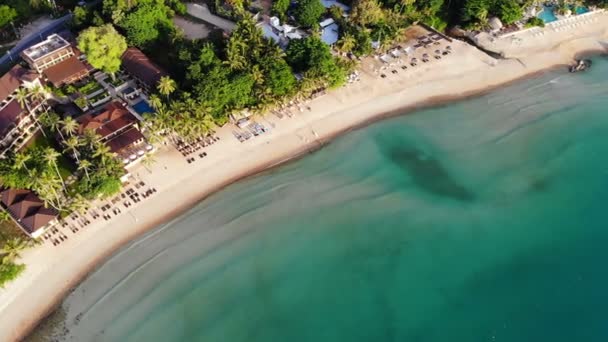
{"points": [[202, 12]]}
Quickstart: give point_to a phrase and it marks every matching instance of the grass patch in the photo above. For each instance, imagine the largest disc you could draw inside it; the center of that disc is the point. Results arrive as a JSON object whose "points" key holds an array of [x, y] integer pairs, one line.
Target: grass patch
{"points": [[99, 97], [65, 165], [90, 88]]}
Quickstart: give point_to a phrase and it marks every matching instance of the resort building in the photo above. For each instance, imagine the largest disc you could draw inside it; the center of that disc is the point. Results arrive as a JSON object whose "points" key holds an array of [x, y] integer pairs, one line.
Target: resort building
{"points": [[47, 53], [117, 128], [280, 34], [141, 68], [17, 124], [66, 72], [28, 211]]}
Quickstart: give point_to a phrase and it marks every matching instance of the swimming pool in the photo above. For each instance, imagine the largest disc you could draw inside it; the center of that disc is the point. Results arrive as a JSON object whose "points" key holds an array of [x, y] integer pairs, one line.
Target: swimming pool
{"points": [[547, 14], [142, 107]]}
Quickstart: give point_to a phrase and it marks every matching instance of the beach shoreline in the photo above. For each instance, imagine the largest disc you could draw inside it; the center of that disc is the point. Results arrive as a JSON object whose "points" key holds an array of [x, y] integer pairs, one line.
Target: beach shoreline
{"points": [[295, 141]]}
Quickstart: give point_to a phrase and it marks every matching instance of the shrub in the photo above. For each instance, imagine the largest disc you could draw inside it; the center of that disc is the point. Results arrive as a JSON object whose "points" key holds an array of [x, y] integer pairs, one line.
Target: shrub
{"points": [[9, 271]]}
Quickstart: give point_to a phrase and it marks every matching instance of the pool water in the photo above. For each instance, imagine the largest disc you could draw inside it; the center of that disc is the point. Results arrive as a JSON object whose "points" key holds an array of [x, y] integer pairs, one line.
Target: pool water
{"points": [[143, 107], [547, 14]]}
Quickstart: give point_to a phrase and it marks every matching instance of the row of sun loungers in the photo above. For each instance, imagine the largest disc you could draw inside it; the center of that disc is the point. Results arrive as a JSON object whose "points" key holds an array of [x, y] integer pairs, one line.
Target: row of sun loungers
{"points": [[108, 210], [188, 148], [413, 62], [254, 129]]}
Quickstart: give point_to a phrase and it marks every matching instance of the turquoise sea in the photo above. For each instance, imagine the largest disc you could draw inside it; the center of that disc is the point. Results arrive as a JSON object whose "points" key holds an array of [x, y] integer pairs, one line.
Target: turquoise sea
{"points": [[482, 220]]}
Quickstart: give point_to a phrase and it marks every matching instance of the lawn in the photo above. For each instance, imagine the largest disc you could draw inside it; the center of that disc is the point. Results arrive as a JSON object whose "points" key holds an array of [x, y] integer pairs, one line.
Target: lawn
{"points": [[65, 165], [99, 97], [90, 87]]}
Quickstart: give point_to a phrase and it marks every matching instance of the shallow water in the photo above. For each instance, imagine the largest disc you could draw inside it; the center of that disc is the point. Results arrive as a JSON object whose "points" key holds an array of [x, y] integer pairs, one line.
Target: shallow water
{"points": [[483, 220]]}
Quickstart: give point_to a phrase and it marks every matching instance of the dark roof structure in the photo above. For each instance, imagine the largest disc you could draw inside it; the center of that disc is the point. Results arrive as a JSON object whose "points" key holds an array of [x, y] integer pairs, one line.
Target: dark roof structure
{"points": [[114, 117], [9, 116], [27, 209], [141, 67], [10, 81], [66, 72], [124, 140]]}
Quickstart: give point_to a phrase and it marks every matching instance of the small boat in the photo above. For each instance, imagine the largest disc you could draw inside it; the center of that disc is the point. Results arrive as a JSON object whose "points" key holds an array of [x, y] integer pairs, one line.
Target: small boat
{"points": [[581, 65]]}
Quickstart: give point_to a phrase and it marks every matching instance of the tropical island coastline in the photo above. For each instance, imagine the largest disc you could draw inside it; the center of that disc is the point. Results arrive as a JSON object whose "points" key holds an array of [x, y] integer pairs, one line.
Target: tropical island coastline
{"points": [[180, 184]]}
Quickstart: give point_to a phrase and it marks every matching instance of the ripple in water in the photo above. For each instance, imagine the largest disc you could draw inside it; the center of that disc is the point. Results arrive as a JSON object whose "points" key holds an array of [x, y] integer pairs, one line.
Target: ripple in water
{"points": [[483, 220]]}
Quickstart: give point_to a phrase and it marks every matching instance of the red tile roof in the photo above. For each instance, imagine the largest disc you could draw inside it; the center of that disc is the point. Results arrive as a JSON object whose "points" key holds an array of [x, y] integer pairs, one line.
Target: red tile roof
{"points": [[113, 118], [10, 81], [66, 72], [27, 209], [140, 66], [124, 140]]}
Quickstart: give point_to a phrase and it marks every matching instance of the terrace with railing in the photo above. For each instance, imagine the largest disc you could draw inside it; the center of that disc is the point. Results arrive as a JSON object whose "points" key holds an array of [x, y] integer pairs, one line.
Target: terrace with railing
{"points": [[51, 44]]}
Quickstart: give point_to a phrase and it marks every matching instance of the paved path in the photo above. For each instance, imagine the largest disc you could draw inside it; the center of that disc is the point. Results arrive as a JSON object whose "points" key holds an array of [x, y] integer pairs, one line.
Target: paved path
{"points": [[202, 12]]}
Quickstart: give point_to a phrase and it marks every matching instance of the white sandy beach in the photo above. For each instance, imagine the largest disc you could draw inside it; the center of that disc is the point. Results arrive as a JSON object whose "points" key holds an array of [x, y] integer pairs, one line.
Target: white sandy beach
{"points": [[52, 271]]}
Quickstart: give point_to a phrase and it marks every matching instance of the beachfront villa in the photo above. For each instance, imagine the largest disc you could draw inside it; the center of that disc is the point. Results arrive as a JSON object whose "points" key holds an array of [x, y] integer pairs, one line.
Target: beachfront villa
{"points": [[280, 33], [28, 211], [118, 129], [145, 72], [17, 124]]}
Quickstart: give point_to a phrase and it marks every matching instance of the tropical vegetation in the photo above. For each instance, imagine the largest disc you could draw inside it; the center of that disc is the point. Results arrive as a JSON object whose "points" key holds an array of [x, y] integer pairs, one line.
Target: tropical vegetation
{"points": [[9, 252]]}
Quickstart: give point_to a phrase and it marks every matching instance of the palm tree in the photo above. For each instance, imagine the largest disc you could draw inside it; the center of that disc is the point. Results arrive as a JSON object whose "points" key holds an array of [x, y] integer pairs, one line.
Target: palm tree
{"points": [[90, 137], [72, 145], [85, 166], [4, 216], [346, 43], [79, 204], [50, 156], [46, 187], [38, 93], [49, 120], [21, 160], [155, 101], [102, 151], [21, 96], [70, 126], [10, 250], [166, 86]]}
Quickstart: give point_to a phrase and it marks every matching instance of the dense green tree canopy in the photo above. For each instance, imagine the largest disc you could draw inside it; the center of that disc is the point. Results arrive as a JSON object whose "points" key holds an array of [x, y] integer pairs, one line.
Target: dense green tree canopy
{"points": [[313, 58], [280, 7], [103, 47], [145, 22], [308, 12], [510, 11], [7, 14]]}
